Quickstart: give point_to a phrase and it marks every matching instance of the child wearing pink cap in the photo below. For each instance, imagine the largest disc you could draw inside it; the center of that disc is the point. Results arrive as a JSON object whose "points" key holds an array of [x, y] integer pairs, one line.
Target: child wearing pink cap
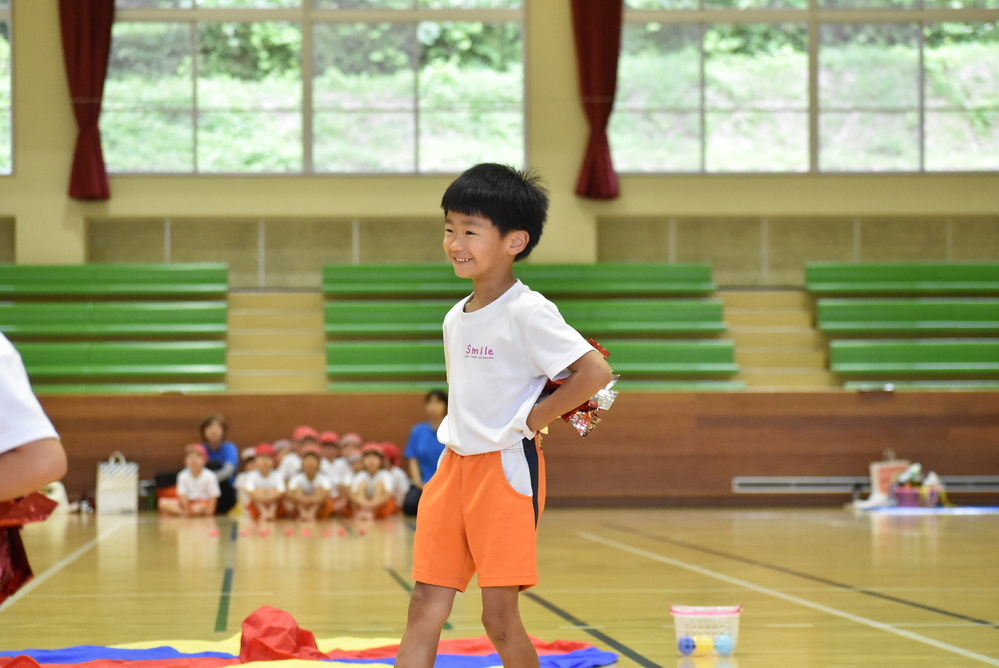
{"points": [[371, 489], [197, 488]]}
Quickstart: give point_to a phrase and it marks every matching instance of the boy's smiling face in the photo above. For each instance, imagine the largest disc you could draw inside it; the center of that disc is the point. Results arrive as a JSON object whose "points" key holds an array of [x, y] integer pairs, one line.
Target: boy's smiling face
{"points": [[476, 248]]}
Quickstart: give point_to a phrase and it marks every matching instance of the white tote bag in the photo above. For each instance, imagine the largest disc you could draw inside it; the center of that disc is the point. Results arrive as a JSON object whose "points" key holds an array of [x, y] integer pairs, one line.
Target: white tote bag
{"points": [[117, 486]]}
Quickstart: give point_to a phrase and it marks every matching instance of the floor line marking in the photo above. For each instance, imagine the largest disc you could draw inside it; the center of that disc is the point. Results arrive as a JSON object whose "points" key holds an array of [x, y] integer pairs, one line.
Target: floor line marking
{"points": [[857, 619], [593, 631], [809, 576], [222, 615], [404, 583], [38, 580]]}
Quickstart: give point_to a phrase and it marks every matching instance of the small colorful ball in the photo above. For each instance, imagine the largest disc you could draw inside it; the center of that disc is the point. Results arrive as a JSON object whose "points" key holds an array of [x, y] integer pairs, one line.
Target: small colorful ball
{"points": [[686, 645], [724, 644], [703, 645]]}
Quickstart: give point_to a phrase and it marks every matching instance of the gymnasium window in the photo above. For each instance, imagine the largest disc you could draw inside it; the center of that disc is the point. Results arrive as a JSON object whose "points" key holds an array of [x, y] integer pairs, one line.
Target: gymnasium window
{"points": [[6, 112], [313, 86], [786, 86]]}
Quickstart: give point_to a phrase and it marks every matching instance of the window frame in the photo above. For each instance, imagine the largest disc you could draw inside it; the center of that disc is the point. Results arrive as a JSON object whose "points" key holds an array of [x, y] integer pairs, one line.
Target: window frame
{"points": [[6, 16], [814, 17], [307, 17]]}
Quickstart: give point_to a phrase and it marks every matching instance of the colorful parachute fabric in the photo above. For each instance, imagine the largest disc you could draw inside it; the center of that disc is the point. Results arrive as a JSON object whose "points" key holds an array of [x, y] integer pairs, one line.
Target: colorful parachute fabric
{"points": [[271, 635]]}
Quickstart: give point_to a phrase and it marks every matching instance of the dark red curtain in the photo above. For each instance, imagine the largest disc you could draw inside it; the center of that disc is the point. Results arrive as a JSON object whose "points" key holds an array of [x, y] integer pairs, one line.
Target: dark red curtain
{"points": [[86, 43], [597, 29]]}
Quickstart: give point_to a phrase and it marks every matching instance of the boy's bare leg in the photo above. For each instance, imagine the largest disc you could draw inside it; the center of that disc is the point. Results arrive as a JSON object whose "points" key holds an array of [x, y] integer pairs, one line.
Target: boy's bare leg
{"points": [[429, 608], [501, 619]]}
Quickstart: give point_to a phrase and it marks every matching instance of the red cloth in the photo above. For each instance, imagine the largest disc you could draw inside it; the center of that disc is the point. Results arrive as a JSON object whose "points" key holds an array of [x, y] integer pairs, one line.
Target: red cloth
{"points": [[270, 634], [35, 507], [15, 570]]}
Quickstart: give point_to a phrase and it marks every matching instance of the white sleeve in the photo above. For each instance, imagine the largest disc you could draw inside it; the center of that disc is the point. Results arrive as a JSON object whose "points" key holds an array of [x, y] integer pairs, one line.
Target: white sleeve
{"points": [[554, 345], [22, 419]]}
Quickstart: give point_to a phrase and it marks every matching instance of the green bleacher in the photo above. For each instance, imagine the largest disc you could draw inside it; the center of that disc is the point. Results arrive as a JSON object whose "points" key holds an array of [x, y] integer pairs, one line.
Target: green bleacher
{"points": [[118, 329], [426, 281], [383, 322], [933, 358], [645, 360], [91, 361], [902, 278], [113, 319], [909, 326], [950, 316], [597, 317], [114, 281]]}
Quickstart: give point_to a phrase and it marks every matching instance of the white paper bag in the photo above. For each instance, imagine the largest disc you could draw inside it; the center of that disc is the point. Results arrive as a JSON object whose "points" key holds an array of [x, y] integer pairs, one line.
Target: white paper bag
{"points": [[117, 486]]}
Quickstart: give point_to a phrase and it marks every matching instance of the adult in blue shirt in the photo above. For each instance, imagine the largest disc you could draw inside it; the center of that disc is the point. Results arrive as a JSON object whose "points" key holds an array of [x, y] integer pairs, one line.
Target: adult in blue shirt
{"points": [[423, 449], [223, 459]]}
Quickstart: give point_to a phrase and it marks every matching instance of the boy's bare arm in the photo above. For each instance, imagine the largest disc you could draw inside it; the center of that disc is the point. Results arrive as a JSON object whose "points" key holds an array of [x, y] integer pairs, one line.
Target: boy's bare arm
{"points": [[587, 376], [30, 466]]}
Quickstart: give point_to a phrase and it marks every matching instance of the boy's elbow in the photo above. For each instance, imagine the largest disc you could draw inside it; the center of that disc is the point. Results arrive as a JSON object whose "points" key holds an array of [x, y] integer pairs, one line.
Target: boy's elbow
{"points": [[607, 375], [51, 461], [599, 370]]}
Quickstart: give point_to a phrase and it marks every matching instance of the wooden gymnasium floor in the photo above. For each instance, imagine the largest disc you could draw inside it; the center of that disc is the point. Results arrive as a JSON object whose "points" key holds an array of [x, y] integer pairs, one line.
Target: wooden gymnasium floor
{"points": [[820, 587]]}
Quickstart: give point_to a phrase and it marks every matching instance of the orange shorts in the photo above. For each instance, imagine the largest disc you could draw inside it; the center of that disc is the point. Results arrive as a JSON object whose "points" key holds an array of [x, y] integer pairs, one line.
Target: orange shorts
{"points": [[471, 519]]}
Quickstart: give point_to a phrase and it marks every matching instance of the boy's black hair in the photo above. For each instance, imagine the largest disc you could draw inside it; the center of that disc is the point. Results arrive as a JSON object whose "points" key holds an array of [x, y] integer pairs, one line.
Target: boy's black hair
{"points": [[435, 394], [511, 199]]}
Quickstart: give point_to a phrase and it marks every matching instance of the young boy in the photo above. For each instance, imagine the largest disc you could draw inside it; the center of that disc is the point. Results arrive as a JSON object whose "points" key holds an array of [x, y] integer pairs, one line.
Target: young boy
{"points": [[479, 512]]}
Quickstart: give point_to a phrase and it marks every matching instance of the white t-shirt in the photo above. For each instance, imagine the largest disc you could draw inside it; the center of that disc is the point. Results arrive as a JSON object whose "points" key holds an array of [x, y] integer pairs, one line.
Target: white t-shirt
{"points": [[302, 482], [400, 483], [204, 486], [256, 480], [364, 481], [339, 471], [498, 361], [290, 464], [22, 419]]}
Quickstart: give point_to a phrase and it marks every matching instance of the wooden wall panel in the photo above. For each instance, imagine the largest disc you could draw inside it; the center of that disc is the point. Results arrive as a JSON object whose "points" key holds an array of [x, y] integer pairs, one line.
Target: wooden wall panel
{"points": [[675, 449]]}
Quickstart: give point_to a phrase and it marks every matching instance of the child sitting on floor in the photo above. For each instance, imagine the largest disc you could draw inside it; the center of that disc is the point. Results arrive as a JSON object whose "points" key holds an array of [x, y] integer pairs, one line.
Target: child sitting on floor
{"points": [[309, 491], [371, 488], [264, 486], [197, 488]]}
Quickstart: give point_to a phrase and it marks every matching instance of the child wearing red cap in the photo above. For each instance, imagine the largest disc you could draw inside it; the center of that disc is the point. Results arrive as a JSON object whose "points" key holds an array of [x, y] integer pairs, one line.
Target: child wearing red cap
{"points": [[264, 486], [371, 487], [309, 491], [197, 488]]}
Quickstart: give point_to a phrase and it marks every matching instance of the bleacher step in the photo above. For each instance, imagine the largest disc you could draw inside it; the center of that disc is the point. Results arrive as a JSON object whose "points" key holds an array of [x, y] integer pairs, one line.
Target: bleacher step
{"points": [[789, 378], [279, 340], [276, 343], [776, 344], [764, 317], [292, 361], [247, 318], [784, 337], [771, 358]]}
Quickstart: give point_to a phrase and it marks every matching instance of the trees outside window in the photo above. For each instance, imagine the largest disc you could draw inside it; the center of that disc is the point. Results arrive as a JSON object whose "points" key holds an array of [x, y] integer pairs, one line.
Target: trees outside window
{"points": [[781, 86], [328, 86]]}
